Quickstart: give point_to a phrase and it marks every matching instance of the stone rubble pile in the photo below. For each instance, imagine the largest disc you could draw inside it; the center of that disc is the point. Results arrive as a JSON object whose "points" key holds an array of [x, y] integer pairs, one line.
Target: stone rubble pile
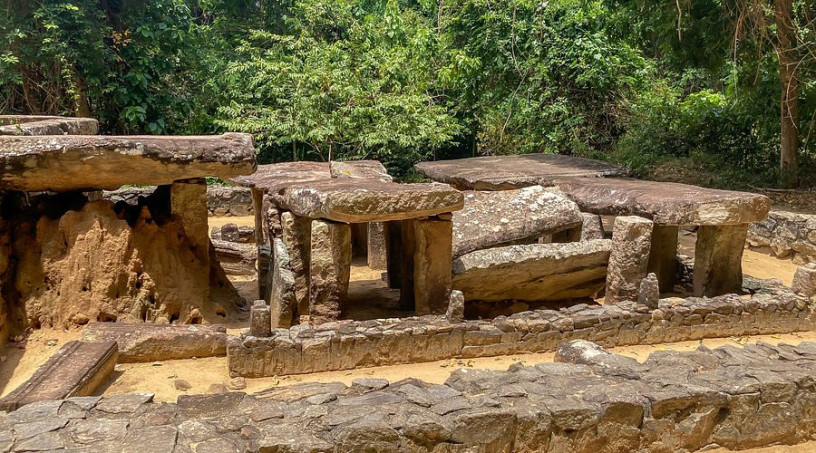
{"points": [[787, 234]]}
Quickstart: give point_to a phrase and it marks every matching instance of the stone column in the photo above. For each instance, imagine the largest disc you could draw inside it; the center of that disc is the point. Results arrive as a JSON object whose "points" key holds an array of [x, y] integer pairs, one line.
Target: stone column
{"points": [[329, 270], [663, 255], [718, 259], [262, 243], [377, 250], [433, 245], [188, 201], [406, 258], [359, 240], [296, 234], [592, 227], [393, 236], [282, 295], [629, 258]]}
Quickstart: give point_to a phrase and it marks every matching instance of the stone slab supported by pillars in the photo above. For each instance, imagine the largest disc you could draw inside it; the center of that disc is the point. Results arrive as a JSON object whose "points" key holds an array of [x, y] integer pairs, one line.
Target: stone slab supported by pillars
{"points": [[329, 273], [718, 259], [629, 258]]}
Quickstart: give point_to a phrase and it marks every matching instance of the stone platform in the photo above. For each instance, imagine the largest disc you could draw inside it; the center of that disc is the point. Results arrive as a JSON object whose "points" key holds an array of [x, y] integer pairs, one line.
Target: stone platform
{"points": [[588, 401], [512, 172], [47, 125]]}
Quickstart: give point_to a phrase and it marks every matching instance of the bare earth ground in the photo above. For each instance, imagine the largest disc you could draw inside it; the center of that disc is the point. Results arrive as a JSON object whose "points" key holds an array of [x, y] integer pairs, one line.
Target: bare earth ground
{"points": [[18, 361]]}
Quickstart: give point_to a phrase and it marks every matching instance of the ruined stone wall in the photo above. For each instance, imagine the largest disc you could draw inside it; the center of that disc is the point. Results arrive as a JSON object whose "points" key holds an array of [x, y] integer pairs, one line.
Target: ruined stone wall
{"points": [[787, 234], [345, 345], [221, 200], [589, 402]]}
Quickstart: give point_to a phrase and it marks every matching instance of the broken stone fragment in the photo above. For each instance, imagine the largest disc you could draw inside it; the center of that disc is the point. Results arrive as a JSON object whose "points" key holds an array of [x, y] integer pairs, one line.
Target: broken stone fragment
{"points": [[360, 169], [649, 291], [592, 227], [260, 320], [80, 162], [804, 280], [456, 307]]}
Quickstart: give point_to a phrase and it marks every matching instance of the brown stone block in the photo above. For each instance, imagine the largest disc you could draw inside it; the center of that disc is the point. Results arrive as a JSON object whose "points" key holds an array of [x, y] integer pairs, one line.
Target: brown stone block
{"points": [[330, 270], [718, 259]]}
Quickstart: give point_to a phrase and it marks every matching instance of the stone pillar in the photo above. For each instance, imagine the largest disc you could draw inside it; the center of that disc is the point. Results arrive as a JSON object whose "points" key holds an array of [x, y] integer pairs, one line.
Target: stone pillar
{"points": [[188, 201], [330, 270], [406, 259], [629, 258], [282, 303], [592, 227], [260, 321], [377, 250], [262, 242], [296, 234], [433, 245], [359, 240], [393, 235], [456, 307], [718, 259], [663, 255]]}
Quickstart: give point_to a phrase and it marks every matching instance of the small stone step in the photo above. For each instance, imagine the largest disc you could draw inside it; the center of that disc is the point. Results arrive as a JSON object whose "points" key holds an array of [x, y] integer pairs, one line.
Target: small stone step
{"points": [[77, 369], [151, 342]]}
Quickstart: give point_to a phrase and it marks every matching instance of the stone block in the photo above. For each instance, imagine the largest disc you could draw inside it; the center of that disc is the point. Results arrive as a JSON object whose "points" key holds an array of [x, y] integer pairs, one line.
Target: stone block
{"points": [[146, 342], [377, 249], [718, 259], [329, 271], [282, 300], [260, 319], [296, 235], [591, 227], [804, 280], [628, 260]]}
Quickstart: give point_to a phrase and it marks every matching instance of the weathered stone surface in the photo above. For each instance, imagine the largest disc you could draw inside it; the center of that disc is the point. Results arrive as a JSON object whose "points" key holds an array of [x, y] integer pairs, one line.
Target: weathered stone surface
{"points": [[330, 270], [365, 200], [432, 265], [236, 258], [297, 236], [663, 255], [786, 234], [665, 203], [538, 272], [718, 259], [491, 219], [511, 172], [804, 280], [77, 369], [282, 301], [359, 169], [260, 320], [649, 291], [629, 258], [152, 342], [456, 307], [188, 202], [591, 227], [47, 125], [377, 249], [76, 162], [229, 201]]}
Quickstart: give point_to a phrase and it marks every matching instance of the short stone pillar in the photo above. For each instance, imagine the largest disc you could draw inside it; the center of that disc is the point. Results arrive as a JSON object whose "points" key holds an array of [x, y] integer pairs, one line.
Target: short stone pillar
{"points": [[591, 227], [188, 201], [282, 302], [296, 233], [663, 255], [260, 320], [718, 259], [377, 250], [330, 270], [456, 307], [628, 260], [649, 291], [433, 246], [804, 280]]}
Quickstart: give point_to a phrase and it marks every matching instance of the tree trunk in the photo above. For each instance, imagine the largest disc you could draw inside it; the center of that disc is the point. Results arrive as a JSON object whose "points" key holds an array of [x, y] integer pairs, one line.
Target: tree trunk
{"points": [[789, 99]]}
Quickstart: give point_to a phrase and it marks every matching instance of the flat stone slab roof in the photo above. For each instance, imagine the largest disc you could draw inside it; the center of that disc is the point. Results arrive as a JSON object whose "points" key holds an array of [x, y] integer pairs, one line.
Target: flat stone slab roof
{"points": [[665, 202], [274, 177], [84, 162], [367, 200], [512, 172], [47, 125]]}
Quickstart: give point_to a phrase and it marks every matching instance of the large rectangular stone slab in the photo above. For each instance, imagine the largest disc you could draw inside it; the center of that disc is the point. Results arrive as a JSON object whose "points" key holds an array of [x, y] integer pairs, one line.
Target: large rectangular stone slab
{"points": [[512, 172], [77, 162], [77, 369], [665, 203], [491, 219], [152, 342], [367, 200], [272, 177], [47, 125], [534, 272]]}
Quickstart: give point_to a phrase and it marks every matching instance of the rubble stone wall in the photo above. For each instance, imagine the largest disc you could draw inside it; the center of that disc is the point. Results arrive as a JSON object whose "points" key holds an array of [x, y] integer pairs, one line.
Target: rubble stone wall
{"points": [[590, 401], [221, 200], [345, 345], [787, 234]]}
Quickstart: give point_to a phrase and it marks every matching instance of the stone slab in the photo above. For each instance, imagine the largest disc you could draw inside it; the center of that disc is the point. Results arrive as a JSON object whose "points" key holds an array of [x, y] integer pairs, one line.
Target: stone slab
{"points": [[512, 172], [366, 200], [77, 162], [152, 342], [491, 219], [360, 169], [47, 125], [273, 177], [535, 272], [665, 203], [77, 369]]}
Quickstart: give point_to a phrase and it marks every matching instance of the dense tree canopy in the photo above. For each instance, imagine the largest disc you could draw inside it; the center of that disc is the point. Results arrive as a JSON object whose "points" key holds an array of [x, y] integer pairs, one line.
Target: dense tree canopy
{"points": [[727, 84]]}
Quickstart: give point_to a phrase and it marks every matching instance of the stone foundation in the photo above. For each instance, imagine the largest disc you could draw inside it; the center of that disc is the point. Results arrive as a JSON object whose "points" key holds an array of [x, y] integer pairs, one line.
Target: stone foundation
{"points": [[346, 345], [787, 235], [592, 401]]}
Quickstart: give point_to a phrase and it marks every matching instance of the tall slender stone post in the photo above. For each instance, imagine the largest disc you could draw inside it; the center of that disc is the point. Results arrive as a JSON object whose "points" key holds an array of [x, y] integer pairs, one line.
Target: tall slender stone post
{"points": [[188, 201], [629, 258], [262, 243], [377, 250], [393, 236], [408, 248], [296, 234], [663, 255], [433, 245], [330, 270], [718, 259]]}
